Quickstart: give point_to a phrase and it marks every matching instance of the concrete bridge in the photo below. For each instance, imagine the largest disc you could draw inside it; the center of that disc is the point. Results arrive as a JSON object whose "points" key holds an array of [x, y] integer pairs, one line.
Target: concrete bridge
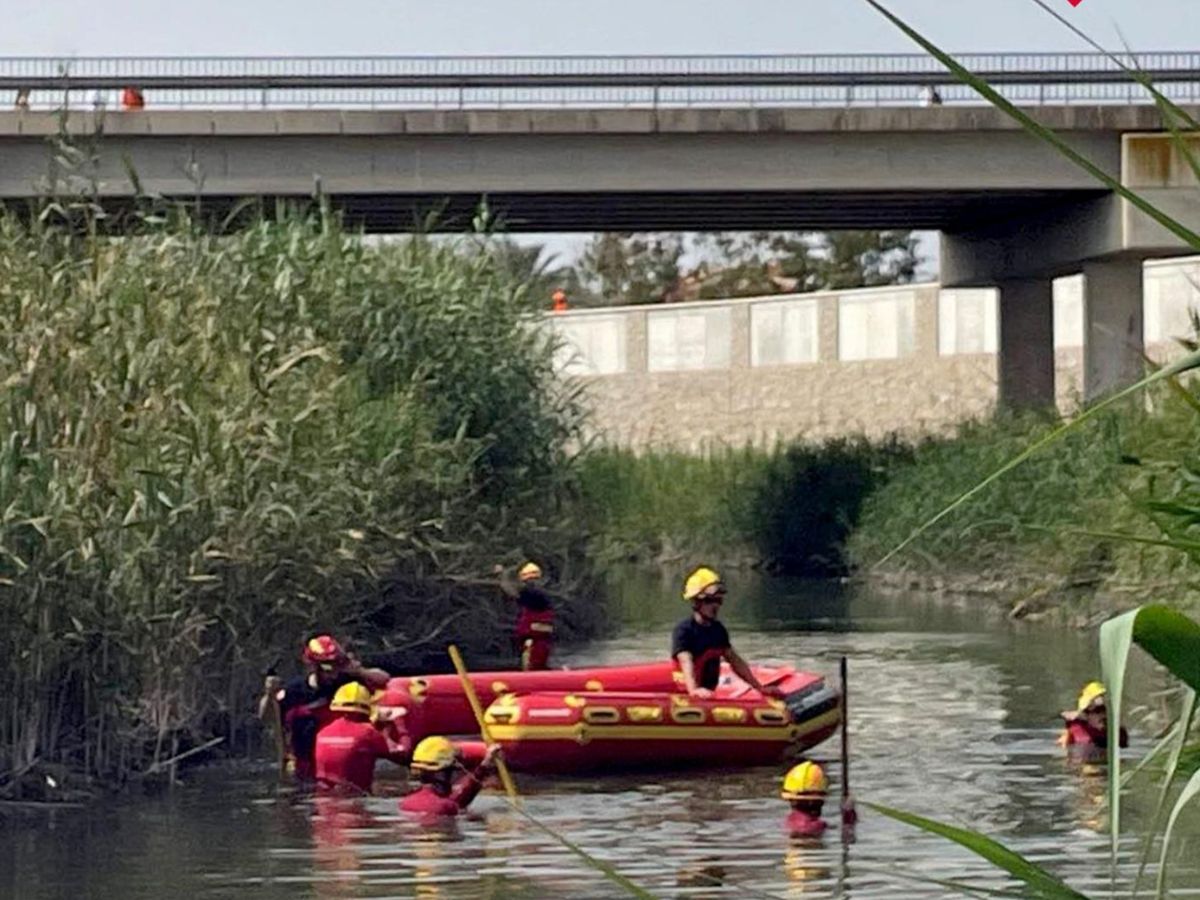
{"points": [[1013, 213]]}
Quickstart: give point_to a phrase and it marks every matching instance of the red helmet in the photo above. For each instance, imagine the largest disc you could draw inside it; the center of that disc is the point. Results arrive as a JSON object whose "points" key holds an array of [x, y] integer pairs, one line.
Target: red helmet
{"points": [[323, 651]]}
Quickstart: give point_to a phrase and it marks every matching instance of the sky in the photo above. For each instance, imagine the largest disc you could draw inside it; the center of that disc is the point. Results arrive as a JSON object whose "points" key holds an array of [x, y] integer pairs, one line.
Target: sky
{"points": [[573, 27], [460, 27]]}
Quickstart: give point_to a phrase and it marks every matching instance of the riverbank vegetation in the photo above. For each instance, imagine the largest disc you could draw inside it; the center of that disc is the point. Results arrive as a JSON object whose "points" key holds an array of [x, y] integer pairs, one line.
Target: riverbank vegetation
{"points": [[214, 443], [1105, 518], [1108, 510], [790, 508]]}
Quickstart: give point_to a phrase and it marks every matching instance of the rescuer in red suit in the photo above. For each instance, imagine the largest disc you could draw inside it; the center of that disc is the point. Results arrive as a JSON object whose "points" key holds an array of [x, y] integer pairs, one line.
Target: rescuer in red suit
{"points": [[805, 787], [1085, 728], [348, 747], [534, 631], [304, 701], [444, 791]]}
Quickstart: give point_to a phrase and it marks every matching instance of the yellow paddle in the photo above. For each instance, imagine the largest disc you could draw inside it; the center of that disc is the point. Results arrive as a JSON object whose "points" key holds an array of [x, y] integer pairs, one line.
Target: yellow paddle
{"points": [[469, 689], [607, 869]]}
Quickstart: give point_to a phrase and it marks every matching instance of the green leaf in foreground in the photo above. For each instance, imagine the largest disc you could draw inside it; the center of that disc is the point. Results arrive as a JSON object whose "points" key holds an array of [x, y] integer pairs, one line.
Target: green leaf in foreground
{"points": [[1173, 640], [1042, 882], [1177, 739], [1190, 790]]}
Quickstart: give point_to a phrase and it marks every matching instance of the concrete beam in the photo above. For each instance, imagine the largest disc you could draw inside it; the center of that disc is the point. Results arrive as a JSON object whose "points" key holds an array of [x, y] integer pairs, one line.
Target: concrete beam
{"points": [[1113, 341], [214, 123], [1026, 344], [1043, 244]]}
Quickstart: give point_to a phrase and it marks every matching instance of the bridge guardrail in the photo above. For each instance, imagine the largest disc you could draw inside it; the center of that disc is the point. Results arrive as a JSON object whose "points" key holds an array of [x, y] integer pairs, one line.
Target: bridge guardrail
{"points": [[489, 82]]}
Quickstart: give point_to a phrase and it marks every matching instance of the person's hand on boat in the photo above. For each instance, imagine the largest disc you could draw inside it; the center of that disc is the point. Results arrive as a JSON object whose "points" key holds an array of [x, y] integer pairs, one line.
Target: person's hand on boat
{"points": [[773, 691], [701, 693]]}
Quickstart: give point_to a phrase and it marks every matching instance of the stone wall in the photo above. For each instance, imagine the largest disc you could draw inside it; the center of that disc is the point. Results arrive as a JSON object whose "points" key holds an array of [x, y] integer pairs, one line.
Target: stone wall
{"points": [[916, 394], [937, 365]]}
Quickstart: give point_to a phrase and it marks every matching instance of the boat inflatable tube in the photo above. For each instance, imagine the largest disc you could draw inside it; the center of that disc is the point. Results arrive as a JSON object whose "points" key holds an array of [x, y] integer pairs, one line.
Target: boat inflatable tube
{"points": [[738, 726]]}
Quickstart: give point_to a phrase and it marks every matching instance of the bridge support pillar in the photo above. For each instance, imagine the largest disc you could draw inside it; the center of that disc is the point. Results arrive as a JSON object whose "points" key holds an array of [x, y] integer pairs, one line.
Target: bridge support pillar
{"points": [[1112, 326], [1026, 344]]}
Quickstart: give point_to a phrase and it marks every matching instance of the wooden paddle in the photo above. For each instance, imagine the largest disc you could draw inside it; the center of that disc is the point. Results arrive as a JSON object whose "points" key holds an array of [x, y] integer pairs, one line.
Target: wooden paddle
{"points": [[469, 689]]}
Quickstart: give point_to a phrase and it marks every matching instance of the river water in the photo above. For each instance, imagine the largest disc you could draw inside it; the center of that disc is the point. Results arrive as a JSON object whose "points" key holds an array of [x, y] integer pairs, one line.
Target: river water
{"points": [[953, 715]]}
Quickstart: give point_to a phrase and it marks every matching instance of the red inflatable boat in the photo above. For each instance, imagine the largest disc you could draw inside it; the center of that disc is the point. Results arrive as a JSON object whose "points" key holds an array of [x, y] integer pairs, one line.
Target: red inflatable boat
{"points": [[566, 720]]}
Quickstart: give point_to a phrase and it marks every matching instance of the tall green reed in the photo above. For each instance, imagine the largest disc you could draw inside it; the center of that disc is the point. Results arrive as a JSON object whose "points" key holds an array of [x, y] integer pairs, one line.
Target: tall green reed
{"points": [[212, 442]]}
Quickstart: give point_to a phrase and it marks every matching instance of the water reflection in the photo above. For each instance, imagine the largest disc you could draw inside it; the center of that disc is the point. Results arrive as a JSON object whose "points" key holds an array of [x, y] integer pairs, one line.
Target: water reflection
{"points": [[954, 715]]}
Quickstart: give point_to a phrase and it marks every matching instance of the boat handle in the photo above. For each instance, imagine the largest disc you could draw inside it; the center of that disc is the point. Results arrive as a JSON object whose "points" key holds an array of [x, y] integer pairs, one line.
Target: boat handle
{"points": [[594, 715]]}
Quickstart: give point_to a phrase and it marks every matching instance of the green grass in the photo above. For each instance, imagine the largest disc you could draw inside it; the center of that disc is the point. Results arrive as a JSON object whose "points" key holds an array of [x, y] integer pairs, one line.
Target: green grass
{"points": [[1064, 518]]}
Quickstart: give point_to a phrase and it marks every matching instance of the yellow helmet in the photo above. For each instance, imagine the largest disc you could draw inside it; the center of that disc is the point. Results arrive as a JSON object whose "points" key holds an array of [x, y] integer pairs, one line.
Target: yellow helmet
{"points": [[434, 754], [696, 583], [352, 698], [805, 781], [529, 571], [1092, 691]]}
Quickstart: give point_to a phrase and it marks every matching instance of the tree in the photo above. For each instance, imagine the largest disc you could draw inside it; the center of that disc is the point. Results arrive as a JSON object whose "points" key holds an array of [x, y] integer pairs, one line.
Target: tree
{"points": [[530, 265], [852, 259], [647, 267], [630, 267]]}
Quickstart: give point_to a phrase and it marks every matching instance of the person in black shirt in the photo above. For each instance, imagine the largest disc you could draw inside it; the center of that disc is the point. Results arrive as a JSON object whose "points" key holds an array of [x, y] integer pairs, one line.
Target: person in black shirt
{"points": [[303, 702], [700, 642]]}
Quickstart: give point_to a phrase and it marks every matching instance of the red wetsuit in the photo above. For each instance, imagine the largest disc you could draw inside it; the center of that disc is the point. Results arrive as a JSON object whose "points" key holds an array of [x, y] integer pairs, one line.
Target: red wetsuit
{"points": [[534, 631], [304, 705], [802, 824], [345, 753], [1079, 733], [427, 801]]}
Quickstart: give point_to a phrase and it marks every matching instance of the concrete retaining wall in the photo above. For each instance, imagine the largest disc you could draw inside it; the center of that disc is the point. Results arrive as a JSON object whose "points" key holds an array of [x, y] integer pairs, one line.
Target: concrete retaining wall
{"points": [[934, 380]]}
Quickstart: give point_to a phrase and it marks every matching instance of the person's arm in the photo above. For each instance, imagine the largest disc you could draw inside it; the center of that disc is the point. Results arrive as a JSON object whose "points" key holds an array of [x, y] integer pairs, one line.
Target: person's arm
{"points": [[467, 787], [742, 670], [375, 679], [687, 666], [379, 746], [271, 686], [508, 587]]}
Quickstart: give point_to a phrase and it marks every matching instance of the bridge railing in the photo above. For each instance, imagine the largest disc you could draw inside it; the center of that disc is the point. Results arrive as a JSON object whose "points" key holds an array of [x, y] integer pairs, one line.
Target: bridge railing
{"points": [[491, 82]]}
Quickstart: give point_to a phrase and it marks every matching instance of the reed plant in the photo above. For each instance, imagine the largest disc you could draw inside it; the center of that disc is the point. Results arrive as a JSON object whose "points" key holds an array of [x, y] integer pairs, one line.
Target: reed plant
{"points": [[213, 441], [664, 506]]}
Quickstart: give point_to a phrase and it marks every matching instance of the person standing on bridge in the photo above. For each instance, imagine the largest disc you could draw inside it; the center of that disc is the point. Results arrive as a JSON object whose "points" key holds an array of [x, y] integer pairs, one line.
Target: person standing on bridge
{"points": [[132, 98], [700, 641], [558, 301]]}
